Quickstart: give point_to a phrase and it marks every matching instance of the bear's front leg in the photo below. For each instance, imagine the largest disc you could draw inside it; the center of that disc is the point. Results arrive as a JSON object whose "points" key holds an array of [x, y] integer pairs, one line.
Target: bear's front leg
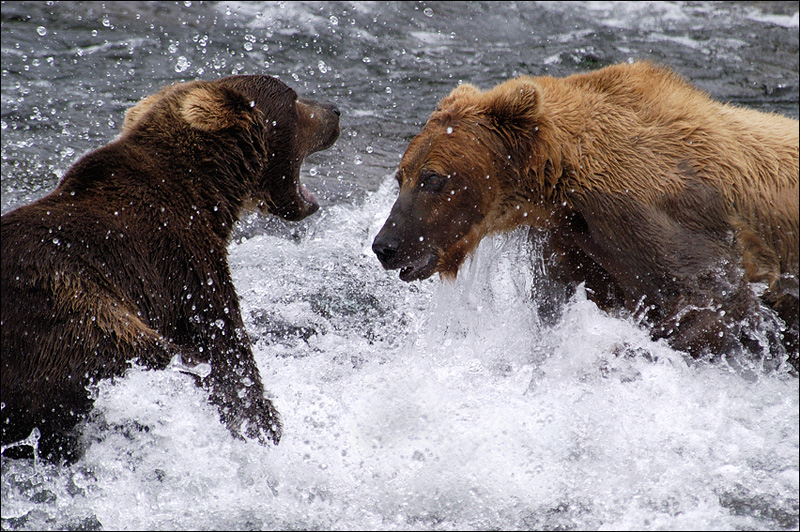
{"points": [[236, 389], [234, 382]]}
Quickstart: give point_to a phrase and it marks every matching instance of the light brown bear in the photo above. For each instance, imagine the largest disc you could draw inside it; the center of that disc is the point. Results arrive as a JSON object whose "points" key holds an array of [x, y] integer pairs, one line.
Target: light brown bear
{"points": [[658, 198], [126, 260]]}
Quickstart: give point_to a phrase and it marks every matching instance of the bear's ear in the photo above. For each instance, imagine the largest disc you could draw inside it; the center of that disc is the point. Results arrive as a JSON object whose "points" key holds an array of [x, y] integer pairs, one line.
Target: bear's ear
{"points": [[465, 91], [213, 108], [513, 104], [133, 114]]}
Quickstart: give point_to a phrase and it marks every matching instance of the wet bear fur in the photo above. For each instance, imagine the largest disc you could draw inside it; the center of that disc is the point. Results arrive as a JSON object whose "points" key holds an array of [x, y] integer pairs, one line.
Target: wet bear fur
{"points": [[668, 205], [126, 260]]}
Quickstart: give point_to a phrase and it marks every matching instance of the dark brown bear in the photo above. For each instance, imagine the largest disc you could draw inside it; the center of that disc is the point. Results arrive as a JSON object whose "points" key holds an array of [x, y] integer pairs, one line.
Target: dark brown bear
{"points": [[126, 260], [662, 201]]}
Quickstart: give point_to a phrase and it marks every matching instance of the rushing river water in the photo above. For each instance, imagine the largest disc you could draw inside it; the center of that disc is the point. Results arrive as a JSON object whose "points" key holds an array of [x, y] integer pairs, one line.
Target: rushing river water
{"points": [[424, 405]]}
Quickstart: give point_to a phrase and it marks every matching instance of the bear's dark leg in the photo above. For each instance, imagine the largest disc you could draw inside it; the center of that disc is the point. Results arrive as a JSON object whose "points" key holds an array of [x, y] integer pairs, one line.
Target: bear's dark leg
{"points": [[782, 296]]}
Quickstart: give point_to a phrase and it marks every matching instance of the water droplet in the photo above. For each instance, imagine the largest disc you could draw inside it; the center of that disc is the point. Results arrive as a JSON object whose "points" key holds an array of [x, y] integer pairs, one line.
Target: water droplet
{"points": [[323, 68], [370, 149], [41, 30], [334, 21], [449, 130], [218, 62], [428, 12], [182, 64]]}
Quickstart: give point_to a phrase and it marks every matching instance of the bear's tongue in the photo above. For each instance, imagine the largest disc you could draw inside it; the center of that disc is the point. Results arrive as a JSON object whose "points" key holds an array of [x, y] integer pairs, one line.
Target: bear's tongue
{"points": [[307, 196], [308, 203]]}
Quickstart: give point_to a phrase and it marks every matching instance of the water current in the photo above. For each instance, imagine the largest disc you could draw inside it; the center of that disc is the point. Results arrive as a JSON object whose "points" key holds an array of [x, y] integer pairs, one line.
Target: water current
{"points": [[406, 406]]}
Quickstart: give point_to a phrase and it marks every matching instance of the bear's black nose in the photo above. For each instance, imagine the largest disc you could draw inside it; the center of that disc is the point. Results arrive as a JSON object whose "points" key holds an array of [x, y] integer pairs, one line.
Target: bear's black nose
{"points": [[332, 107], [386, 249]]}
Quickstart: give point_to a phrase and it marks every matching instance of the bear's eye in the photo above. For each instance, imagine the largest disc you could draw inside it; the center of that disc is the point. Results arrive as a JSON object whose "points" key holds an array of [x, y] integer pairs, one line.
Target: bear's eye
{"points": [[432, 182]]}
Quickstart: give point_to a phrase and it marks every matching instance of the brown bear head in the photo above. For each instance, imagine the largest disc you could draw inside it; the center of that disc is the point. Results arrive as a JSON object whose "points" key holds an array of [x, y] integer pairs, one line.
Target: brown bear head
{"points": [[457, 179], [257, 129]]}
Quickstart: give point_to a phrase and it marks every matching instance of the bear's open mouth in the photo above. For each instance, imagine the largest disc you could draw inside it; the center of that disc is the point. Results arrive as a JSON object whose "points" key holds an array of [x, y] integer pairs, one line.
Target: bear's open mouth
{"points": [[293, 206], [308, 197], [422, 268], [306, 204]]}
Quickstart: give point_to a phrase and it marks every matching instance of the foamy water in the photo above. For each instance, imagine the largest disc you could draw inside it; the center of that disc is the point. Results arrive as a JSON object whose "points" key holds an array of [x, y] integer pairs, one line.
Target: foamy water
{"points": [[429, 406]]}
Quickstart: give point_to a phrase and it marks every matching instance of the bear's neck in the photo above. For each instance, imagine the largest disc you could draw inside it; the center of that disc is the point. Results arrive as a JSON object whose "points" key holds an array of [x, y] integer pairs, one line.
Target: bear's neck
{"points": [[190, 191], [561, 148], [214, 189], [538, 184]]}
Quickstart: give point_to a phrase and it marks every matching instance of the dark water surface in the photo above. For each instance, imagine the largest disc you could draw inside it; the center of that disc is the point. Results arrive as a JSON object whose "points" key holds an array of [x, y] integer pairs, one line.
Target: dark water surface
{"points": [[422, 406], [70, 70]]}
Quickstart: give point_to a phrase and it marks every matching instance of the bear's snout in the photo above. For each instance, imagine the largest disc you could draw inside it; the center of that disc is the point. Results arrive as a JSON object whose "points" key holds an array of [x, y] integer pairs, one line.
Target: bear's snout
{"points": [[414, 262], [320, 123], [385, 248]]}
